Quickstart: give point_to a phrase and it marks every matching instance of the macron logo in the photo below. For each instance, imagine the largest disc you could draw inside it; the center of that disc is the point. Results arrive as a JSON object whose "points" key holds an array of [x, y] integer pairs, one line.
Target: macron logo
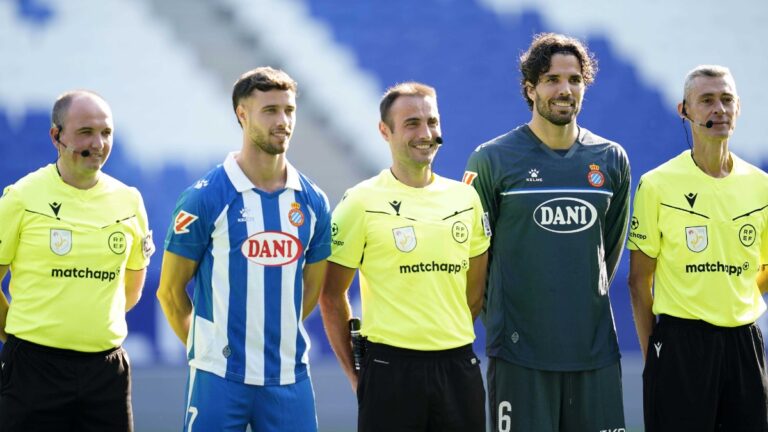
{"points": [[657, 345], [183, 220]]}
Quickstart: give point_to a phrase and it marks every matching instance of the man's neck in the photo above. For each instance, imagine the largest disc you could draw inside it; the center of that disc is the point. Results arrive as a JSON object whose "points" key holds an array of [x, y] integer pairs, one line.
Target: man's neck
{"points": [[82, 181], [554, 136], [712, 157], [267, 172], [413, 177]]}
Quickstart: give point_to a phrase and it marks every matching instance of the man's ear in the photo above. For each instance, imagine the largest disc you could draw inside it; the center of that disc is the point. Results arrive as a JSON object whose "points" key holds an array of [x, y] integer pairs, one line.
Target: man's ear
{"points": [[55, 134], [384, 131], [529, 89], [241, 114]]}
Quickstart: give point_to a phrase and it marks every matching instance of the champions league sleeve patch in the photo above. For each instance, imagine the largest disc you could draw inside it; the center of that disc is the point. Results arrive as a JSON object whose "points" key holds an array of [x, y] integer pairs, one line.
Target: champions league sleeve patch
{"points": [[469, 177]]}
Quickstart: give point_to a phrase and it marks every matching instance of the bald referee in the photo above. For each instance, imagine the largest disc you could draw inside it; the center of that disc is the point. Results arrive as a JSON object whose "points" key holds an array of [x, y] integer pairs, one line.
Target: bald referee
{"points": [[699, 245], [77, 244], [420, 245]]}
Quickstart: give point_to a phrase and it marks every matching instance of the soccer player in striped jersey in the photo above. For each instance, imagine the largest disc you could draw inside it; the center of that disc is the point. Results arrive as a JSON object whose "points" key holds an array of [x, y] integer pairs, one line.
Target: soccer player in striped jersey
{"points": [[557, 197], [253, 234], [699, 247]]}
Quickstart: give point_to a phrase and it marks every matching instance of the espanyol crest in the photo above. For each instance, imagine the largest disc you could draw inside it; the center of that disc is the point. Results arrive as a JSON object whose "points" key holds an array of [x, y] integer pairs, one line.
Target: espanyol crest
{"points": [[61, 241], [696, 238], [405, 238]]}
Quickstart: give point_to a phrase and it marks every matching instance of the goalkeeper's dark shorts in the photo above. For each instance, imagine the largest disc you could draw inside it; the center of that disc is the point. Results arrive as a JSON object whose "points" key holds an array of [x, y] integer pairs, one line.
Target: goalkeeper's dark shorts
{"points": [[526, 400]]}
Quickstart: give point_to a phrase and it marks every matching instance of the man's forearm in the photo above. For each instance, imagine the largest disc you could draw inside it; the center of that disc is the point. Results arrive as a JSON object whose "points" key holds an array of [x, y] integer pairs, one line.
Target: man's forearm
{"points": [[644, 321], [4, 306], [641, 271], [178, 312], [336, 314]]}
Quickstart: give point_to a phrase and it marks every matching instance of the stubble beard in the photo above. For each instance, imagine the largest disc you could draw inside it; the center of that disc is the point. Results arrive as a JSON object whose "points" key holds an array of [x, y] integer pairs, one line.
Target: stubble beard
{"points": [[262, 141], [545, 111]]}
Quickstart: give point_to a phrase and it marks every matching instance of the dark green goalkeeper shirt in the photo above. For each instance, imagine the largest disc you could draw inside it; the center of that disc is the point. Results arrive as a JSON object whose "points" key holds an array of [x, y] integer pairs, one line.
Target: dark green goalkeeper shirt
{"points": [[559, 222]]}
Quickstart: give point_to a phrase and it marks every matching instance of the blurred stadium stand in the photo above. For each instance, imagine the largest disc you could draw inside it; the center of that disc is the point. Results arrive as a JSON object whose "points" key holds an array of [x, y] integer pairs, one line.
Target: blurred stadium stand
{"points": [[167, 66]]}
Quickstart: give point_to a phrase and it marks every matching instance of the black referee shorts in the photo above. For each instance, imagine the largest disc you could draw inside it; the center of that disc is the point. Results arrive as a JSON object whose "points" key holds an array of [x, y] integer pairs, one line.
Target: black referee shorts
{"points": [[420, 391], [51, 389], [701, 377]]}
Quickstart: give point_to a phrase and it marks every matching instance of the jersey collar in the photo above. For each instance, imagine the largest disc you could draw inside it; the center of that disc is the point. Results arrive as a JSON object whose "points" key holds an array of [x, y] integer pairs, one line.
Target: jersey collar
{"points": [[241, 182]]}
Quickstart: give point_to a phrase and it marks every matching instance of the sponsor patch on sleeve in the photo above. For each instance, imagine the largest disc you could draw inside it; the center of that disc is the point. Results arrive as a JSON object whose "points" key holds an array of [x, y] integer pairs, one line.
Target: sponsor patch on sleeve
{"points": [[487, 225], [148, 246], [182, 222], [469, 177]]}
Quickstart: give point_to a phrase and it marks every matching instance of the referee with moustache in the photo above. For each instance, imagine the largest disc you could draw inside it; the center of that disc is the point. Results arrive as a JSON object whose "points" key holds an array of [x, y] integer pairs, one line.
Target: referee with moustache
{"points": [[420, 244], [77, 244]]}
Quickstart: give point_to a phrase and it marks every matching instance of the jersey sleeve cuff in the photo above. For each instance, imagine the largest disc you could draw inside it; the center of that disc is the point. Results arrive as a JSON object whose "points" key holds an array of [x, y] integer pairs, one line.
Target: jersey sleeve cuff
{"points": [[182, 251], [631, 245], [342, 262]]}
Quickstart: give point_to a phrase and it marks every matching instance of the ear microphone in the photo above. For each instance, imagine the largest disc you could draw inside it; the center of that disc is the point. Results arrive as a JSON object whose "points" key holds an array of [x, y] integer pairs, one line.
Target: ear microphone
{"points": [[707, 125], [85, 153]]}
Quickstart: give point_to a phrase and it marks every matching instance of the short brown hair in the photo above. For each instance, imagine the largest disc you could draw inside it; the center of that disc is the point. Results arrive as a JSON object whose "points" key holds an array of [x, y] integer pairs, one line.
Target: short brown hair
{"points": [[538, 59], [410, 88], [262, 78]]}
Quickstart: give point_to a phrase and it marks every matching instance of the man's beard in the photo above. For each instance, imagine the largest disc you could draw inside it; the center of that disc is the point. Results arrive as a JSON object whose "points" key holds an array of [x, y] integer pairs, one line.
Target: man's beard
{"points": [[545, 110]]}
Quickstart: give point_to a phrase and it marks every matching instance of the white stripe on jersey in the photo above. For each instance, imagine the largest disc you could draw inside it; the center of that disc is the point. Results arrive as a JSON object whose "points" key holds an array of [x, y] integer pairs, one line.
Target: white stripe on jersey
{"points": [[255, 306], [190, 386], [546, 191], [288, 319], [211, 337]]}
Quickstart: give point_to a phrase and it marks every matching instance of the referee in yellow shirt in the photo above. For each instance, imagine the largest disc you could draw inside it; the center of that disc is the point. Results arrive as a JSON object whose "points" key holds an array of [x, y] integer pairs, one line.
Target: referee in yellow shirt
{"points": [[77, 245], [419, 242], [699, 244]]}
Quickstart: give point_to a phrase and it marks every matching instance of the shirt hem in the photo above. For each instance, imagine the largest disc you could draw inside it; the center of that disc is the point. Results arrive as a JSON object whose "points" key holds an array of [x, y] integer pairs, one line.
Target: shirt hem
{"points": [[560, 367], [299, 377]]}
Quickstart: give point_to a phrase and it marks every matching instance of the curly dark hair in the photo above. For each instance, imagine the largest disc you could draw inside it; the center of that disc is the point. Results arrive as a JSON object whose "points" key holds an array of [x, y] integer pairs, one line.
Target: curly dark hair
{"points": [[537, 59]]}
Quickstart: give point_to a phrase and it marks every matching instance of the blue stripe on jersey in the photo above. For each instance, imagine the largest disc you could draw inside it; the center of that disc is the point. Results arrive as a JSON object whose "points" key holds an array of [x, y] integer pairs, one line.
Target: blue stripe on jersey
{"points": [[202, 294], [270, 205], [552, 190], [305, 234], [238, 290], [203, 297]]}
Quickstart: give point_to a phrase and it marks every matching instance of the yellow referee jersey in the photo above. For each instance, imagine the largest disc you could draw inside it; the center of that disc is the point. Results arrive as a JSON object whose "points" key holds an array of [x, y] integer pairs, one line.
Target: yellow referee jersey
{"points": [[709, 237], [68, 250], [412, 246]]}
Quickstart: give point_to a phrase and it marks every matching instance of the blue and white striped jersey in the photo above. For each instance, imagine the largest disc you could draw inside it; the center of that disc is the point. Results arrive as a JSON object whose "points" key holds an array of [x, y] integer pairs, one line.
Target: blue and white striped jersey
{"points": [[251, 247]]}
